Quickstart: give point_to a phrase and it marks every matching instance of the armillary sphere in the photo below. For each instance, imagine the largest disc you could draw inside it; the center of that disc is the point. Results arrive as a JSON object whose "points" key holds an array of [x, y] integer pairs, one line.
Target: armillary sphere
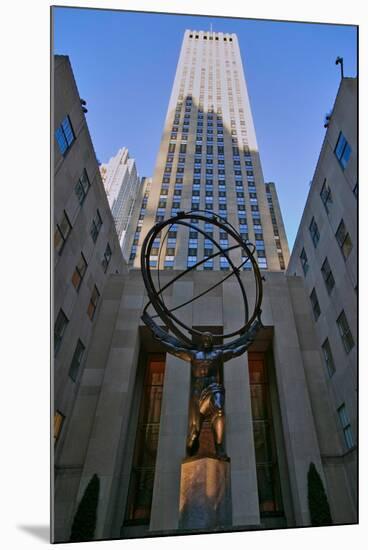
{"points": [[190, 220]]}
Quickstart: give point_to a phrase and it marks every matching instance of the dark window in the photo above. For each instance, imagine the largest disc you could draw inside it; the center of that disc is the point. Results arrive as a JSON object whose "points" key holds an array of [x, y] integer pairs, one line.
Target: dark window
{"points": [[346, 427], [77, 360], [65, 135], [96, 226], [268, 478], [172, 147], [79, 272], [344, 240], [315, 304], [82, 187], [326, 196], [355, 190], [62, 232], [346, 336], [327, 276], [342, 151], [183, 148], [59, 330], [107, 257], [145, 450], [93, 302], [304, 261], [314, 233], [282, 261], [58, 424], [327, 354]]}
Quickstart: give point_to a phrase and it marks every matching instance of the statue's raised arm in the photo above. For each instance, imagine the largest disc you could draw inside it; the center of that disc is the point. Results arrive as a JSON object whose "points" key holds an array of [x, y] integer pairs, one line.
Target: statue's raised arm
{"points": [[243, 343], [172, 344]]}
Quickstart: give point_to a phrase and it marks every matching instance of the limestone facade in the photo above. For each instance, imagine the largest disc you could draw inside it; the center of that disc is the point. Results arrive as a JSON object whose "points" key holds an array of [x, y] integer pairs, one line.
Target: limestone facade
{"points": [[328, 236]]}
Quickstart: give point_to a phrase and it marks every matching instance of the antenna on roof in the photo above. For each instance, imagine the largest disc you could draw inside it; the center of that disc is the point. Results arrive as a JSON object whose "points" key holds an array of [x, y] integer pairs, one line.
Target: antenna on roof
{"points": [[340, 60]]}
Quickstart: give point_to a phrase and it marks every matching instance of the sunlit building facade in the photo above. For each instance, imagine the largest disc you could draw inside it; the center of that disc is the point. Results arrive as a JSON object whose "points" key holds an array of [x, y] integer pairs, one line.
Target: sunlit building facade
{"points": [[208, 159], [122, 183]]}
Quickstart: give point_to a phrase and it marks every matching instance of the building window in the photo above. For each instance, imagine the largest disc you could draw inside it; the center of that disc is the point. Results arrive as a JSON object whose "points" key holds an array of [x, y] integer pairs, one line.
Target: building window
{"points": [[93, 302], [64, 135], [140, 491], [107, 257], [346, 427], [327, 276], [327, 355], [79, 272], [268, 477], [96, 226], [314, 233], [315, 304], [58, 424], [326, 196], [62, 233], [344, 240], [346, 336], [77, 360], [59, 330], [82, 187], [304, 261], [342, 151]]}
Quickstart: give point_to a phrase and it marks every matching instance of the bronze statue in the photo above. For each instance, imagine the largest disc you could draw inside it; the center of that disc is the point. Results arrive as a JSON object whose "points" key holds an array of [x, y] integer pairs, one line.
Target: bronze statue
{"points": [[207, 394]]}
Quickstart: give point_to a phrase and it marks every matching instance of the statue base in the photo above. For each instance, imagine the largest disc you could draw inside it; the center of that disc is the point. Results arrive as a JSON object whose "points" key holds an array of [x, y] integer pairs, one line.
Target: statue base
{"points": [[205, 494]]}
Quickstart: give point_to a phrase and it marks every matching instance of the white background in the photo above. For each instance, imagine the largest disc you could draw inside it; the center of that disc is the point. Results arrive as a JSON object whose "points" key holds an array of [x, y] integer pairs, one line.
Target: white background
{"points": [[25, 268]]}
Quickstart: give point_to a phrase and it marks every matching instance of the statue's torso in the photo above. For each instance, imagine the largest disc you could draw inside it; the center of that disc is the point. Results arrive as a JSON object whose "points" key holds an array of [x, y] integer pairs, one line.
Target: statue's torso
{"points": [[205, 369]]}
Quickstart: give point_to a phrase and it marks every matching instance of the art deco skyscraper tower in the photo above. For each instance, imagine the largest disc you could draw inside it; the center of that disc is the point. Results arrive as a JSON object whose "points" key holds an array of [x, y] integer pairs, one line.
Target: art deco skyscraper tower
{"points": [[208, 159]]}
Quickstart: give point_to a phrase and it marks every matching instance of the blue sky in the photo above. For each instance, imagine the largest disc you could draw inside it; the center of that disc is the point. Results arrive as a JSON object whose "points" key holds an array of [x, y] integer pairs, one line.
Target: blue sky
{"points": [[124, 64]]}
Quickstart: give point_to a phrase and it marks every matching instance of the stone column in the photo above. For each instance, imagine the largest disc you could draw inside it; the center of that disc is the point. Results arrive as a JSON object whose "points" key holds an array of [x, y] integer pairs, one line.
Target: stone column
{"points": [[301, 442], [173, 428], [239, 430]]}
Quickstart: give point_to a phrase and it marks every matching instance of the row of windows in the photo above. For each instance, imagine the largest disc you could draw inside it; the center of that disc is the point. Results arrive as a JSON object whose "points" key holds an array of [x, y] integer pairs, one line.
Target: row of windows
{"points": [[210, 37], [342, 237], [62, 320], [342, 323], [64, 228], [74, 370], [345, 244], [275, 227]]}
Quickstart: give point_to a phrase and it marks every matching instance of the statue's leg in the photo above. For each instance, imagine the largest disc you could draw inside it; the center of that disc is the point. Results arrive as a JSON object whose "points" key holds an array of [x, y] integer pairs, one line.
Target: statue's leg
{"points": [[195, 423], [218, 423]]}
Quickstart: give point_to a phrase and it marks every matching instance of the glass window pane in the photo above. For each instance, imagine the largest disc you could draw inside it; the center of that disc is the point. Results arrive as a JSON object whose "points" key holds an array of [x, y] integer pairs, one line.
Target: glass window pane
{"points": [[340, 146], [65, 226], [61, 140]]}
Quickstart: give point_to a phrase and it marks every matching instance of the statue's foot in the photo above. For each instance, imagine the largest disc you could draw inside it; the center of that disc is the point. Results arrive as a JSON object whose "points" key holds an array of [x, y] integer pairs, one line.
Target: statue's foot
{"points": [[193, 446], [220, 451]]}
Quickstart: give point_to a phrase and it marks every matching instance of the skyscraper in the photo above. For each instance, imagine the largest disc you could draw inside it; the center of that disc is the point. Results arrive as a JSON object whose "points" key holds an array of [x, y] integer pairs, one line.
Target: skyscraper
{"points": [[209, 159], [121, 182]]}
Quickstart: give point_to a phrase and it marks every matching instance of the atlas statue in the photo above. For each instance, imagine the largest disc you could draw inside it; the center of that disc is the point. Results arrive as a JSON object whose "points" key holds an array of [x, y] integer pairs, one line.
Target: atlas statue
{"points": [[206, 356]]}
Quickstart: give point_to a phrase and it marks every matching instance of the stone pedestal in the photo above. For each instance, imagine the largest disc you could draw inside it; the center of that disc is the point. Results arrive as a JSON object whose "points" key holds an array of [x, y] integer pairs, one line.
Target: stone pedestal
{"points": [[205, 494]]}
